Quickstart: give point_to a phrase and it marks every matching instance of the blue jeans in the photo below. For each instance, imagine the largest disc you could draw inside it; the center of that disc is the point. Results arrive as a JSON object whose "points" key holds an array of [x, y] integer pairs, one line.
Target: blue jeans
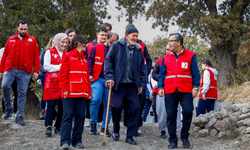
{"points": [[99, 92], [146, 109], [205, 106], [73, 108], [22, 78], [43, 103]]}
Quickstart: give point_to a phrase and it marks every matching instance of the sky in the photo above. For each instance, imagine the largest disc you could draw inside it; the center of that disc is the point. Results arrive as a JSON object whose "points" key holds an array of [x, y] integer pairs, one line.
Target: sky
{"points": [[146, 33]]}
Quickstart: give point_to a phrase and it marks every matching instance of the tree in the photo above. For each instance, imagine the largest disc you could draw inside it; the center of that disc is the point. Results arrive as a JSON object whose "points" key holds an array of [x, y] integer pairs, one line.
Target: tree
{"points": [[133, 8], [48, 17], [224, 26]]}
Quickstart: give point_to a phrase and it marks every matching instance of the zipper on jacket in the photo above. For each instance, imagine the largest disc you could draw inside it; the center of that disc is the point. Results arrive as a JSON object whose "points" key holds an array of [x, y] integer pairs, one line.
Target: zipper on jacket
{"points": [[19, 53], [176, 73]]}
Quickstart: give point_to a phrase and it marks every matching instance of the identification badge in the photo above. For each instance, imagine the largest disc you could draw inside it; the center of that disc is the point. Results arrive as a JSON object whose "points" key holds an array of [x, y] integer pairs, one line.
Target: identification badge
{"points": [[184, 65]]}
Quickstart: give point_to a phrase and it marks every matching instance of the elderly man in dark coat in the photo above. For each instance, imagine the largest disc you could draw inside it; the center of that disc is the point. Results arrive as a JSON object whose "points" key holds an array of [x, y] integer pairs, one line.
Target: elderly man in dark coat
{"points": [[124, 70]]}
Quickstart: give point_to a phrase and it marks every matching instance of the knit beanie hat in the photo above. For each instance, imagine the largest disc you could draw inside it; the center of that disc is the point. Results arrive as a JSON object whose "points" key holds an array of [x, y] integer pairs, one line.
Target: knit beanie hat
{"points": [[131, 30]]}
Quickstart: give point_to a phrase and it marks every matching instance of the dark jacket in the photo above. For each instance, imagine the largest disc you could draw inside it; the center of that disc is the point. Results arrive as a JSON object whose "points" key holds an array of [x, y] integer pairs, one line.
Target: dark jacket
{"points": [[156, 71], [42, 71], [114, 63], [148, 59]]}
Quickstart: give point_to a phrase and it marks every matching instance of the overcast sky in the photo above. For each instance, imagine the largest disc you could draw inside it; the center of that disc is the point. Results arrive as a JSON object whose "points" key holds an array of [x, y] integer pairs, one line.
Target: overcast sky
{"points": [[146, 33]]}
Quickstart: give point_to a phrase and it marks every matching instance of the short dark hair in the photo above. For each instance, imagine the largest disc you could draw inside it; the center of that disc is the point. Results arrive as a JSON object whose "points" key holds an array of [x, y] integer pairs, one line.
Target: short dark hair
{"points": [[68, 31], [22, 22], [111, 34], [107, 25], [129, 25], [178, 37], [102, 29], [207, 62], [155, 59], [75, 41]]}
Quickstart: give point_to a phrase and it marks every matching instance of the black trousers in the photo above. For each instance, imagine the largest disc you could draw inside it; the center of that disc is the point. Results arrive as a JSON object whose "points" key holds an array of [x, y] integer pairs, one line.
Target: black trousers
{"points": [[142, 98], [126, 97], [171, 103], [154, 107], [51, 111]]}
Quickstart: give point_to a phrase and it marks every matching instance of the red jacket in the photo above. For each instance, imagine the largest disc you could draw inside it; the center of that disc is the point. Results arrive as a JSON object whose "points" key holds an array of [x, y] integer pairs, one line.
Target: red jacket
{"points": [[99, 58], [212, 91], [52, 88], [74, 75], [21, 54], [89, 47], [159, 61], [143, 48], [178, 72]]}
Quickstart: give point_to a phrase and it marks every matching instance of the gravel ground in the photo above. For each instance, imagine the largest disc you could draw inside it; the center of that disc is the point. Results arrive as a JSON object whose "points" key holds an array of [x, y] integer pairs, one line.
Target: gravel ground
{"points": [[32, 137]]}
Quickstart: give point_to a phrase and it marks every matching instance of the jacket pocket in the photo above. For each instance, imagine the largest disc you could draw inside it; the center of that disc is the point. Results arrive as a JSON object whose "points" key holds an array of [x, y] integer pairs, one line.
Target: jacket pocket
{"points": [[76, 85], [53, 80]]}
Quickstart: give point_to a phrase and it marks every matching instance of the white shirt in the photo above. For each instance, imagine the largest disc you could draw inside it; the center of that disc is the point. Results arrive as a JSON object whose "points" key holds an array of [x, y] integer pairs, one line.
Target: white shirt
{"points": [[206, 79], [47, 62]]}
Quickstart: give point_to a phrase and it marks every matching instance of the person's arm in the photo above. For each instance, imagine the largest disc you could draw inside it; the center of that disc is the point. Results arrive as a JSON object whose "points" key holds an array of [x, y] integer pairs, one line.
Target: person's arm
{"points": [[163, 73], [206, 82], [42, 62], [36, 57], [109, 62], [5, 54], [64, 71], [91, 60], [148, 60], [142, 71], [47, 63], [155, 73], [195, 72]]}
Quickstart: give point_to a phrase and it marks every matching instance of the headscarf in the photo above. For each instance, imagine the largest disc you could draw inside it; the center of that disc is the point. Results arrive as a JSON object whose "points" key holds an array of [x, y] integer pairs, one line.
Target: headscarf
{"points": [[58, 38]]}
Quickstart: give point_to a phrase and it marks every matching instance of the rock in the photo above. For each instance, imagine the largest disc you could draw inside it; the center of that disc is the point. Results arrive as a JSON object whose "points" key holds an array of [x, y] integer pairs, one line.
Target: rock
{"points": [[235, 116], [5, 123], [229, 133], [217, 115], [246, 122], [237, 107], [245, 110], [200, 121], [222, 135], [196, 129], [221, 125], [213, 133], [224, 113], [240, 129], [240, 123], [15, 126], [244, 116], [203, 133], [247, 130], [211, 123]]}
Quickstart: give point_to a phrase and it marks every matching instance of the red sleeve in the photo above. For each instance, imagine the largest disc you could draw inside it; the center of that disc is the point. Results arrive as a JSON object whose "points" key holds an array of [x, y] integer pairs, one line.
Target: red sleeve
{"points": [[64, 72], [37, 58], [5, 54]]}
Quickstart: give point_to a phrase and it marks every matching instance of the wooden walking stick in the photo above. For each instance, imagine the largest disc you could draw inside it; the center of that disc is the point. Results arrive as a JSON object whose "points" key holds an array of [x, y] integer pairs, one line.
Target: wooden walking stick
{"points": [[107, 114]]}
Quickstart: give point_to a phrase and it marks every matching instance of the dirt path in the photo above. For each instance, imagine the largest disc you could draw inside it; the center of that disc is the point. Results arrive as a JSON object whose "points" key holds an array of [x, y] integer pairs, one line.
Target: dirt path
{"points": [[32, 137]]}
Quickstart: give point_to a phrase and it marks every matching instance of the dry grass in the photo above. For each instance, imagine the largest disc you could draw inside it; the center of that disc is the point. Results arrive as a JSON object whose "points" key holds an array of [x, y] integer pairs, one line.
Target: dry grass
{"points": [[236, 94]]}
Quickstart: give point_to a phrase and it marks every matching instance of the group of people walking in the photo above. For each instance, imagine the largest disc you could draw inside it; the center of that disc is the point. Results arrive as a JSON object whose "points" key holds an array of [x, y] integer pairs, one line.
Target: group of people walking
{"points": [[76, 77]]}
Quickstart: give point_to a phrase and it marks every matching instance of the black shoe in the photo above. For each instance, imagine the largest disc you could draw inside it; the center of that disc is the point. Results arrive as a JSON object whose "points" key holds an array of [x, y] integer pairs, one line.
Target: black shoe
{"points": [[130, 141], [107, 132], [48, 131], [172, 145], [163, 135], [115, 136], [93, 129], [19, 120], [185, 143], [7, 113], [58, 131]]}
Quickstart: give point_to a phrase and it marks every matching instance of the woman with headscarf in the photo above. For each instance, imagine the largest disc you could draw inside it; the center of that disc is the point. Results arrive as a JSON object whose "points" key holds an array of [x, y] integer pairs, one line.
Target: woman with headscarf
{"points": [[75, 85], [52, 90]]}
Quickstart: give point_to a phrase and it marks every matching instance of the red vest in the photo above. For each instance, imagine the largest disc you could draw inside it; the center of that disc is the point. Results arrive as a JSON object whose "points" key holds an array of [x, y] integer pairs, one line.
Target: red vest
{"points": [[212, 91], [159, 61], [74, 75], [52, 88], [89, 47], [143, 48], [178, 72], [99, 59]]}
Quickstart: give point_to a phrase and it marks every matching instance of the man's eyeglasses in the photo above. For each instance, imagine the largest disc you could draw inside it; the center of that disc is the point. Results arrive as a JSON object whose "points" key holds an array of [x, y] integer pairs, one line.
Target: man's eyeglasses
{"points": [[170, 41]]}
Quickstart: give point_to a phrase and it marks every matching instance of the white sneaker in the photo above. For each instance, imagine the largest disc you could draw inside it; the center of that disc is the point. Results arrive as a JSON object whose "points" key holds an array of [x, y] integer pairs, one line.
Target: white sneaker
{"points": [[99, 124], [13, 116], [87, 123], [139, 131]]}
